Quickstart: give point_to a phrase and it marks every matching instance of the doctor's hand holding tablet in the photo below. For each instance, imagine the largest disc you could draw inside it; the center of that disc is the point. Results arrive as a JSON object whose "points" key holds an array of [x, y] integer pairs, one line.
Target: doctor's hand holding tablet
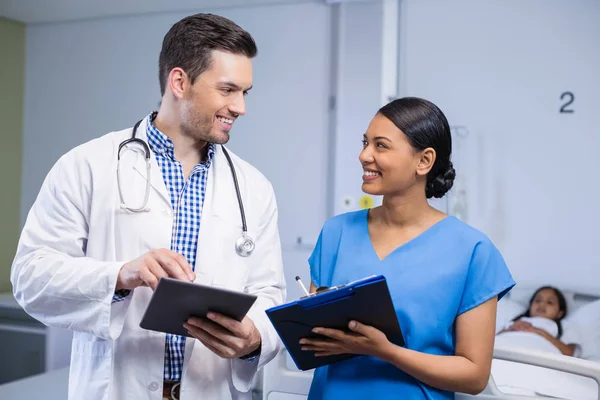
{"points": [[194, 315]]}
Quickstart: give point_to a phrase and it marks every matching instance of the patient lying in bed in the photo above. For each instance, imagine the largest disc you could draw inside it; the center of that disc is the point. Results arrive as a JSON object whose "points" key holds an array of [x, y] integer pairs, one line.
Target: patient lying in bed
{"points": [[540, 327], [543, 327]]}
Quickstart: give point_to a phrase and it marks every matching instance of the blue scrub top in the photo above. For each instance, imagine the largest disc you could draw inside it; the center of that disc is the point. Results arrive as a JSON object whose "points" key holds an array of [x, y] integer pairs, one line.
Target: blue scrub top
{"points": [[446, 270]]}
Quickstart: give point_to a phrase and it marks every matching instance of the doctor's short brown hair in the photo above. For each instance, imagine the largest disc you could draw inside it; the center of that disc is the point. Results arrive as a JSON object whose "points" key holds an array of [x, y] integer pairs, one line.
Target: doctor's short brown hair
{"points": [[190, 42]]}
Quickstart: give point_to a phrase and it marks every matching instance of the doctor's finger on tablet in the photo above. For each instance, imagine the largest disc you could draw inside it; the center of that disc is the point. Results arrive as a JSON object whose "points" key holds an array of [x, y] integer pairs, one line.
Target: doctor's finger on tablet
{"points": [[147, 269], [175, 265]]}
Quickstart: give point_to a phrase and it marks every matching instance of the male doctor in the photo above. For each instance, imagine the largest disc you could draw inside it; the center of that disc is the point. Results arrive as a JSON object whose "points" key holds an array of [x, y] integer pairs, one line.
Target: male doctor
{"points": [[93, 249]]}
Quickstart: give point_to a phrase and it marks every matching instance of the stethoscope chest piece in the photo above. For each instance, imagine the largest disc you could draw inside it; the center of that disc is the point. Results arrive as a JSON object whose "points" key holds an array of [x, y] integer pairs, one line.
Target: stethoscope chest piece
{"points": [[244, 245]]}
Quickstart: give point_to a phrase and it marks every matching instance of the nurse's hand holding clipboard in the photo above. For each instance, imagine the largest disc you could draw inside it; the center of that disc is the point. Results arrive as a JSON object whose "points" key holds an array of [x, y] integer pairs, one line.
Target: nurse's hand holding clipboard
{"points": [[362, 340]]}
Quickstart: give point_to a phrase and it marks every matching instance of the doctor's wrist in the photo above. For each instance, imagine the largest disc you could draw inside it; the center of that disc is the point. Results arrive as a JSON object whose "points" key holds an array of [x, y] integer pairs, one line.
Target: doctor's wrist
{"points": [[128, 278], [120, 281], [252, 355], [120, 295], [255, 345]]}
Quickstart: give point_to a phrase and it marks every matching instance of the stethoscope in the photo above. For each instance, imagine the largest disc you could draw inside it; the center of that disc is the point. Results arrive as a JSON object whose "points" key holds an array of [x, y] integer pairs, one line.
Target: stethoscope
{"points": [[244, 245]]}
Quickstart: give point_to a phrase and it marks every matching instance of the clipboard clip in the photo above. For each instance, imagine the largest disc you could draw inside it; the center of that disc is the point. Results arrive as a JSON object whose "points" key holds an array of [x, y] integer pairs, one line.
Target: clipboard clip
{"points": [[323, 289]]}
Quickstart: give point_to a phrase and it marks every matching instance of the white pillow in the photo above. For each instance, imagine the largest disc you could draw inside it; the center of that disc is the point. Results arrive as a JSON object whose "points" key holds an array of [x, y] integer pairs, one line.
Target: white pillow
{"points": [[506, 311], [587, 318]]}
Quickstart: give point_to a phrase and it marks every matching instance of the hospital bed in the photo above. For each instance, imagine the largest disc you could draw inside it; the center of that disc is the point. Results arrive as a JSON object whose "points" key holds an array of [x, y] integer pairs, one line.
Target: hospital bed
{"points": [[525, 373], [561, 377], [517, 373]]}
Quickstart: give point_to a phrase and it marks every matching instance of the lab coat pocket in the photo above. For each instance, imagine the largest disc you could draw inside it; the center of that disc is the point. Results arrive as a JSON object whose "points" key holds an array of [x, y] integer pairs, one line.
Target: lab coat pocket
{"points": [[90, 368]]}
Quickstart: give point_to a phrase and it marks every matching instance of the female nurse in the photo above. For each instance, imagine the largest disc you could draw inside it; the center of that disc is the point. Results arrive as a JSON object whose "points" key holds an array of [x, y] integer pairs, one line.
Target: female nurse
{"points": [[444, 276]]}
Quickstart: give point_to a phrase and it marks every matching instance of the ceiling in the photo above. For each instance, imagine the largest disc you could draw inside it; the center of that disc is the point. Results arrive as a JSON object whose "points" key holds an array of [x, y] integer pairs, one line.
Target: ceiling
{"points": [[44, 11]]}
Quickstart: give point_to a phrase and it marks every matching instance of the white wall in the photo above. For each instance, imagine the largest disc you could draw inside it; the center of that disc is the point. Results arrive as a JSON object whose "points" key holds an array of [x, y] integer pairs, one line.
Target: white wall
{"points": [[499, 68], [86, 78], [358, 95]]}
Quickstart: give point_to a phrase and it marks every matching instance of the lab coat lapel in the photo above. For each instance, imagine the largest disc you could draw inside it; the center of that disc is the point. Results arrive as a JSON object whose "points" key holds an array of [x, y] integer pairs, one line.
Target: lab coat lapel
{"points": [[207, 254], [216, 199], [156, 179]]}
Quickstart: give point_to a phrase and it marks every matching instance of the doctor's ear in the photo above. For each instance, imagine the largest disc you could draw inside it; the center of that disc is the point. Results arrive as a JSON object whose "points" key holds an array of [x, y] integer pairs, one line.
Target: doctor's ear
{"points": [[178, 80]]}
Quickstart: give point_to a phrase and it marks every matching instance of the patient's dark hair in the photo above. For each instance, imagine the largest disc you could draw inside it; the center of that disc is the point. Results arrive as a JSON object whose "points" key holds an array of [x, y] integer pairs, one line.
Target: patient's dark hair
{"points": [[562, 306], [425, 125], [190, 42]]}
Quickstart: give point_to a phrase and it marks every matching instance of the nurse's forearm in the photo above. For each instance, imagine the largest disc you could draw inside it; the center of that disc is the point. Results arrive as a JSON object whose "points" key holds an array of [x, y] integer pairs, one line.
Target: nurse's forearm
{"points": [[451, 373]]}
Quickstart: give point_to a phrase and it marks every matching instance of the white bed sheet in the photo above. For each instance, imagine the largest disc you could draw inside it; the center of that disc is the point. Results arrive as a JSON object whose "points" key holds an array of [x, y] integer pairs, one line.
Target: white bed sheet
{"points": [[525, 340], [519, 378]]}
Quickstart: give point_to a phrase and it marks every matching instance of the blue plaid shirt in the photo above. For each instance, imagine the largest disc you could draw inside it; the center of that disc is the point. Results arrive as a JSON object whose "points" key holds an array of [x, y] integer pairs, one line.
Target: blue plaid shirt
{"points": [[187, 199]]}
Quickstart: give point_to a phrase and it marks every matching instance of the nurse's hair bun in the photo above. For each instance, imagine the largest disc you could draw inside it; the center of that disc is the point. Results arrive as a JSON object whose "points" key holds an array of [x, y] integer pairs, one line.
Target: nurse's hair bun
{"points": [[440, 185]]}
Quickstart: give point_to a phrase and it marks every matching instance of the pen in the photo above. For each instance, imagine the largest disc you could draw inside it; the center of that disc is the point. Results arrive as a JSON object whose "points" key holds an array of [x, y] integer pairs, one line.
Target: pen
{"points": [[302, 286]]}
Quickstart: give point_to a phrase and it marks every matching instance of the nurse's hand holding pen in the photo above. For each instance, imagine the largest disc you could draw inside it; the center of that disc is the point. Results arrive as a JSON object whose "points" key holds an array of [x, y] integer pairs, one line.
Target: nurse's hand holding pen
{"points": [[147, 269]]}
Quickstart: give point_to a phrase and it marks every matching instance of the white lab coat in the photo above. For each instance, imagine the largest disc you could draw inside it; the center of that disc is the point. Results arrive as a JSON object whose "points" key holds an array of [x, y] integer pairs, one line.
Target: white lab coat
{"points": [[76, 238]]}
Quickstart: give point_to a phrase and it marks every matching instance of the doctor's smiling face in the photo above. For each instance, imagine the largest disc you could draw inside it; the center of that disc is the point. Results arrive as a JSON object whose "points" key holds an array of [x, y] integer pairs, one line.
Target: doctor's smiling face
{"points": [[406, 150], [210, 105], [205, 72]]}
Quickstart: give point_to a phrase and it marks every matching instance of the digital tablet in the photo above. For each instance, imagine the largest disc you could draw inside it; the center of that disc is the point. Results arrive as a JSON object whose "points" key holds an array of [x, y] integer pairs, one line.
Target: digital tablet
{"points": [[174, 301]]}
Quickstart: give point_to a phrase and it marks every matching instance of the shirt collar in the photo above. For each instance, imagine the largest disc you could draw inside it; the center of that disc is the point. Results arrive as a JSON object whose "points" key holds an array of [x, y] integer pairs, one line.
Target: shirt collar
{"points": [[162, 144]]}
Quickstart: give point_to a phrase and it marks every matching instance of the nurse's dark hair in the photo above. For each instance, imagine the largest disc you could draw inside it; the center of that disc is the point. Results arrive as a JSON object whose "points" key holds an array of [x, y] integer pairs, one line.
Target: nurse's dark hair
{"points": [[562, 306], [425, 125], [190, 42]]}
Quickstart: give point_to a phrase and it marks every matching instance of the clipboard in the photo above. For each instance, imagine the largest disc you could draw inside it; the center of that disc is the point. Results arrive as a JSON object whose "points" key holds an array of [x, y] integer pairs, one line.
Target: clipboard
{"points": [[174, 301], [367, 301]]}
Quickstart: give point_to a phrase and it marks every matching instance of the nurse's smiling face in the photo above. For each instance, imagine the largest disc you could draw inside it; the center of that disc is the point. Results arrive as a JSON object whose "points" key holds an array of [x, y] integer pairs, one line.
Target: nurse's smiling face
{"points": [[391, 165]]}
